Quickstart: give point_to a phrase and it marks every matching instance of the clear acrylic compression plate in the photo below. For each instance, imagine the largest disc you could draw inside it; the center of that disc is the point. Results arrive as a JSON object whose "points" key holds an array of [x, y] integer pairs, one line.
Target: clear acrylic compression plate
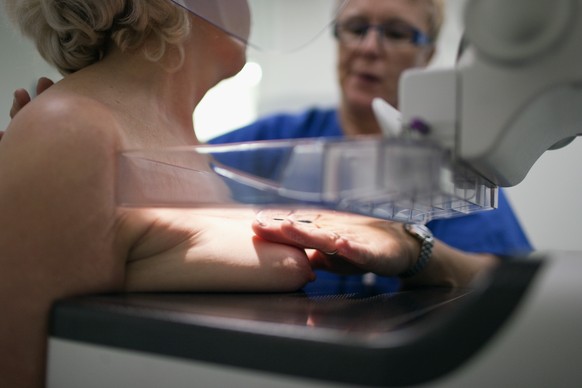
{"points": [[395, 179]]}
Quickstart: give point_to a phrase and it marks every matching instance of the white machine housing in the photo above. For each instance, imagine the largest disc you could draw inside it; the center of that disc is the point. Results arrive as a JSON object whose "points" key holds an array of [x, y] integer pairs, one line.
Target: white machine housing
{"points": [[516, 90]]}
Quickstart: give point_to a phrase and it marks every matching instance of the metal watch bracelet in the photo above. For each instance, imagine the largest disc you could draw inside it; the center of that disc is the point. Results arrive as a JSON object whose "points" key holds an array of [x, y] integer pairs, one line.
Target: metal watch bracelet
{"points": [[422, 233]]}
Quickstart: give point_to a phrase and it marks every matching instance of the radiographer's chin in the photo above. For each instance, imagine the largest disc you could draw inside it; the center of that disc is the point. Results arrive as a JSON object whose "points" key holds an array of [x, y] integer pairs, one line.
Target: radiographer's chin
{"points": [[358, 100]]}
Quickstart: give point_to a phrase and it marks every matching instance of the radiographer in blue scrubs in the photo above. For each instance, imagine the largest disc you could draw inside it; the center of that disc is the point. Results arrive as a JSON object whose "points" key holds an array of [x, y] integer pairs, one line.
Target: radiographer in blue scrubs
{"points": [[377, 41]]}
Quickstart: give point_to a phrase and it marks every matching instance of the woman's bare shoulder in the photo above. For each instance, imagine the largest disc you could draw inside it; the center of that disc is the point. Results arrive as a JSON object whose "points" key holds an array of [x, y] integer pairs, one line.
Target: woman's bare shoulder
{"points": [[58, 116], [62, 149]]}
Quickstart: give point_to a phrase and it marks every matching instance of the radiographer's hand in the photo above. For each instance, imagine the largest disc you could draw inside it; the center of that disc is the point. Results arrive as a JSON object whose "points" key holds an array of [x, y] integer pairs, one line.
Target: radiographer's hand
{"points": [[22, 97], [351, 244], [342, 243]]}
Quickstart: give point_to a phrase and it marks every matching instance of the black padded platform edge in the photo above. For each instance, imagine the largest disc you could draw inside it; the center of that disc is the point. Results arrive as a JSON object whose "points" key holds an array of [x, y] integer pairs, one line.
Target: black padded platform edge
{"points": [[413, 354]]}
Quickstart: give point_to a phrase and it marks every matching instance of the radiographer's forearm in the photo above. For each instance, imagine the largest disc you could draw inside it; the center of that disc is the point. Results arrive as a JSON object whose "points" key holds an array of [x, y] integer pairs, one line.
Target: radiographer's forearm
{"points": [[450, 267]]}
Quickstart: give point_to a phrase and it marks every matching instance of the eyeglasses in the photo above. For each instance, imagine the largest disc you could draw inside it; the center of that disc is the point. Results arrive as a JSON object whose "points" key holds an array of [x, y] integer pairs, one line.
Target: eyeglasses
{"points": [[395, 33]]}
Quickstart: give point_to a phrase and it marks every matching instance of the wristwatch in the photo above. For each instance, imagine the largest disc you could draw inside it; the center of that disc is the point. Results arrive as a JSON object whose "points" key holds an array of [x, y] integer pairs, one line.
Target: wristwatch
{"points": [[422, 233]]}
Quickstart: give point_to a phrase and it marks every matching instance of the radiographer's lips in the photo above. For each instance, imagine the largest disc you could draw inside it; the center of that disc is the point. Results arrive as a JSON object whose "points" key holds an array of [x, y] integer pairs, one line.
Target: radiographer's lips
{"points": [[367, 77]]}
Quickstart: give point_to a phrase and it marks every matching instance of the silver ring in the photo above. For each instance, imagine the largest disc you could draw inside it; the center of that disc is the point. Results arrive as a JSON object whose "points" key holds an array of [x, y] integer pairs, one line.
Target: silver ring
{"points": [[333, 253]]}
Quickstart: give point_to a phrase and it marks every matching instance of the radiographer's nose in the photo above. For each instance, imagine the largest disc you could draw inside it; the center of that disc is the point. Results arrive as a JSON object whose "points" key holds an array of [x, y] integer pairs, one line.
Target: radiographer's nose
{"points": [[371, 42]]}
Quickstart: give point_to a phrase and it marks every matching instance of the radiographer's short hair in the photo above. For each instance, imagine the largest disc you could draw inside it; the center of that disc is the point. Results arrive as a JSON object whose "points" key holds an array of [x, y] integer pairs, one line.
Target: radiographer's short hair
{"points": [[436, 11], [73, 34], [436, 18]]}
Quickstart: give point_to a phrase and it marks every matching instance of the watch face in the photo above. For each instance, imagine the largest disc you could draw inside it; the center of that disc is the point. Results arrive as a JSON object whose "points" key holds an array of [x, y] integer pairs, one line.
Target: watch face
{"points": [[419, 230]]}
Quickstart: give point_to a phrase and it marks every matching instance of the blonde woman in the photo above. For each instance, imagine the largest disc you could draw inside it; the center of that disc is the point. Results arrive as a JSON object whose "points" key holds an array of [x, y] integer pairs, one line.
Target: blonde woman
{"points": [[134, 72]]}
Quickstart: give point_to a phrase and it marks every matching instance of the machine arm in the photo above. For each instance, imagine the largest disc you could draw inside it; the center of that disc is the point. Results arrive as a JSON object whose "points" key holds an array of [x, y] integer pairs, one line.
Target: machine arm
{"points": [[515, 92]]}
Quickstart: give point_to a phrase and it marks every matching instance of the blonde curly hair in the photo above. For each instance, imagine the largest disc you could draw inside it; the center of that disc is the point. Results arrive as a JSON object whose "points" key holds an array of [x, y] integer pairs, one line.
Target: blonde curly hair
{"points": [[73, 34]]}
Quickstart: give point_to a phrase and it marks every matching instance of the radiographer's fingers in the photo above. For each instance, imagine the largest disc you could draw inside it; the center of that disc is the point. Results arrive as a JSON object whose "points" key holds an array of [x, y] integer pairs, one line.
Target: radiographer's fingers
{"points": [[334, 263], [21, 98], [43, 84], [294, 233], [311, 235], [318, 244]]}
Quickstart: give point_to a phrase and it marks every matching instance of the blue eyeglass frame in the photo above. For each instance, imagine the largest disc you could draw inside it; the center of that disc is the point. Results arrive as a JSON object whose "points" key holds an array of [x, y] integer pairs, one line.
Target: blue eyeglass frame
{"points": [[419, 38]]}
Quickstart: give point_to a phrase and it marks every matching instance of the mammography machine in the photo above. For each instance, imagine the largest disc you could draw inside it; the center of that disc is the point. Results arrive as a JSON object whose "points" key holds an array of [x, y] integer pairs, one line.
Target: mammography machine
{"points": [[515, 92]]}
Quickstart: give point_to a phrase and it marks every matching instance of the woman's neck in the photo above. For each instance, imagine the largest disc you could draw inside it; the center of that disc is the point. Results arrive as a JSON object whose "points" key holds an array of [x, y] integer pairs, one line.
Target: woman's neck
{"points": [[147, 96]]}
